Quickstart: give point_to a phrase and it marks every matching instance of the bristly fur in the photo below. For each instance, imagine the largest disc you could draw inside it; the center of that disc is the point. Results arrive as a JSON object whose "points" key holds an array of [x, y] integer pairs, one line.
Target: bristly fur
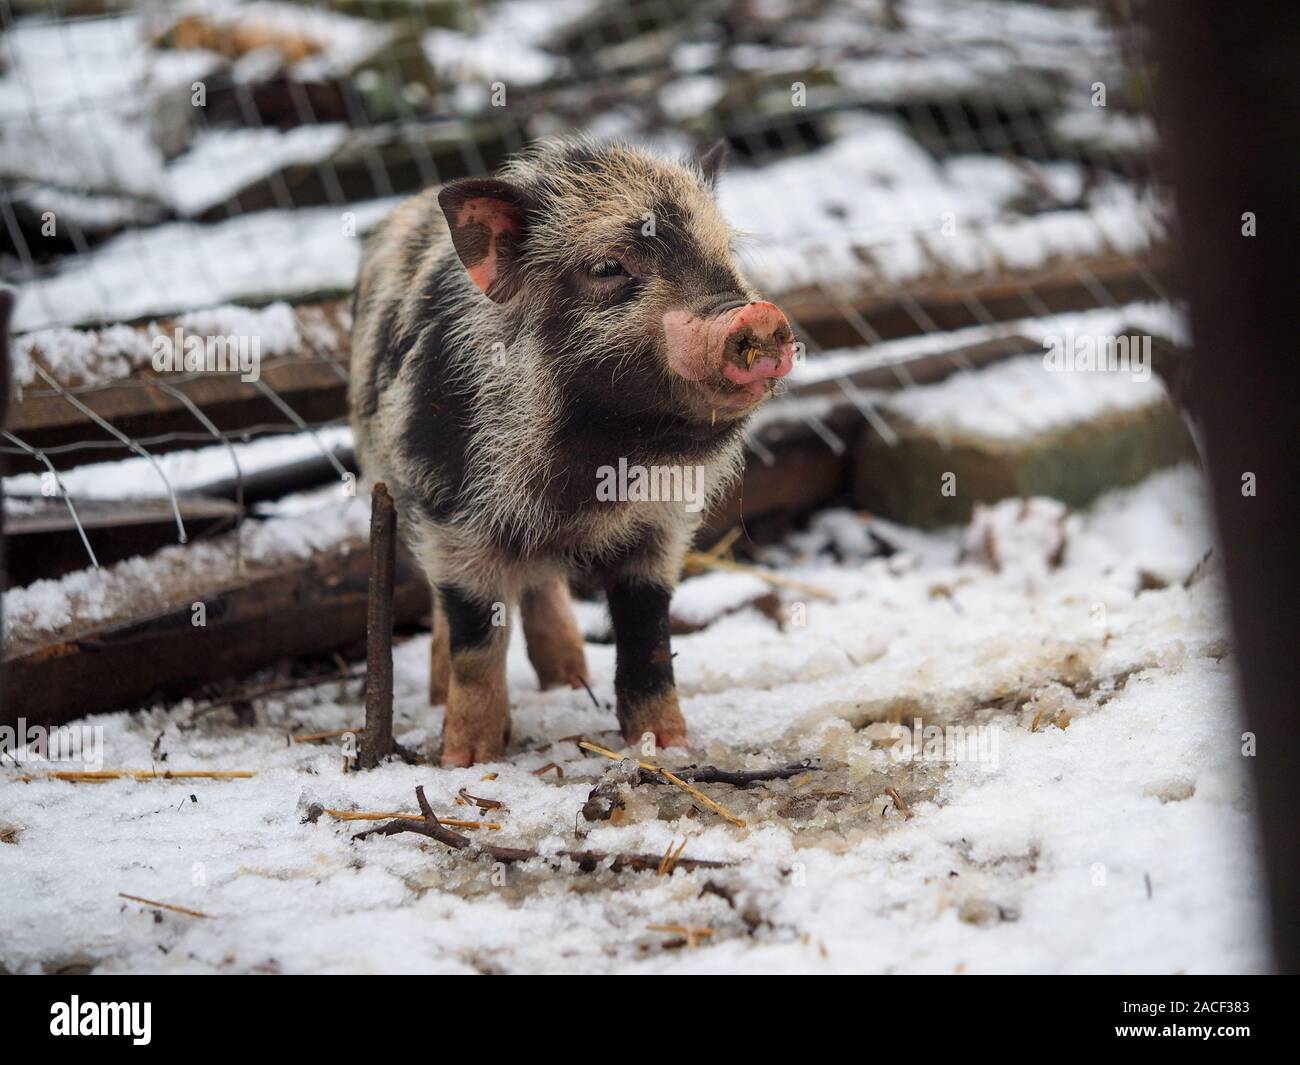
{"points": [[496, 368], [489, 420]]}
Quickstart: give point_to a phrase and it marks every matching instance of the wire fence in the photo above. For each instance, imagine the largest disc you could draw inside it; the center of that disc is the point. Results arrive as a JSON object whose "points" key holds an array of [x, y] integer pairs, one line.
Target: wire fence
{"points": [[133, 136]]}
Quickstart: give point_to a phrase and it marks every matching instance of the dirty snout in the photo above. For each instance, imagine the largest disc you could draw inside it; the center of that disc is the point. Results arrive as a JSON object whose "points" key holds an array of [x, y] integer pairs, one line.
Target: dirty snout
{"points": [[735, 356]]}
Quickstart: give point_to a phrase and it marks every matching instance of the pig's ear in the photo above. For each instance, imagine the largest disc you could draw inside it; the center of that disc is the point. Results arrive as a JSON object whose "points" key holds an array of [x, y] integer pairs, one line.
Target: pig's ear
{"points": [[488, 220], [712, 161]]}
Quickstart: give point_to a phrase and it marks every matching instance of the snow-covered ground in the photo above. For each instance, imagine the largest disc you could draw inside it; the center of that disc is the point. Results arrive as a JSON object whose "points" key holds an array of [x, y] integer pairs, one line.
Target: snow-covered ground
{"points": [[1101, 822]]}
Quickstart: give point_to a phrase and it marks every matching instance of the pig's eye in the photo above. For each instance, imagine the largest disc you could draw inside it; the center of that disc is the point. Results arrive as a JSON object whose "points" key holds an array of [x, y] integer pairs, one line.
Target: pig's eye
{"points": [[607, 269]]}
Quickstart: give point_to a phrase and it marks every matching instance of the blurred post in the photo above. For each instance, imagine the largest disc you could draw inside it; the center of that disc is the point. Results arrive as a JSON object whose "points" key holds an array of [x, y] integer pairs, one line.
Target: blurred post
{"points": [[6, 305], [1227, 94]]}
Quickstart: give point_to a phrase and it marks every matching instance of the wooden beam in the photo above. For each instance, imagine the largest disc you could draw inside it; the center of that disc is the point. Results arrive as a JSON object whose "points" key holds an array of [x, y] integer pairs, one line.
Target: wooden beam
{"points": [[320, 605], [942, 303], [313, 380], [43, 542], [275, 613]]}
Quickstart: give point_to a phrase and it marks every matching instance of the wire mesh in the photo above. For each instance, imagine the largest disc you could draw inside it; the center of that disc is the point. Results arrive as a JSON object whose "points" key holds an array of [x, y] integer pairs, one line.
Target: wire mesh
{"points": [[134, 136]]}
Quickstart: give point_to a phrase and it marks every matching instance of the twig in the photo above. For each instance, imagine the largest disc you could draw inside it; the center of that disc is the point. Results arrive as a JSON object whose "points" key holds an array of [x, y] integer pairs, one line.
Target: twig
{"points": [[672, 778], [379, 815], [595, 702], [903, 808], [559, 770], [587, 861], [1199, 570], [700, 560], [430, 826], [744, 778], [640, 863], [164, 905], [483, 804]]}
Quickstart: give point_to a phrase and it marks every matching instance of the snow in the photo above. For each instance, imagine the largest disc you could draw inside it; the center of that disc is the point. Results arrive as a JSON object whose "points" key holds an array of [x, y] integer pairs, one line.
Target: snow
{"points": [[93, 356], [325, 519], [1107, 827], [506, 46], [689, 97], [1154, 319], [344, 42], [709, 596], [871, 208], [1021, 397], [101, 356], [1101, 128], [219, 165], [75, 104], [187, 471], [256, 257]]}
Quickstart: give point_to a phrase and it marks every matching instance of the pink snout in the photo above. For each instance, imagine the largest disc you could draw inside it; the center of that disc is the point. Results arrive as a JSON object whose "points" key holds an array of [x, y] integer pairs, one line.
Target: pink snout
{"points": [[747, 346], [759, 345]]}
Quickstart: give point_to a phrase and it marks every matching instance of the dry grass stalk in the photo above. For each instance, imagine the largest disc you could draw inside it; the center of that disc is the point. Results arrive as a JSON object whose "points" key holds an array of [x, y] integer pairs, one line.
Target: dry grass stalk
{"points": [[720, 549], [94, 775], [463, 797], [701, 560], [672, 778], [163, 905], [690, 933], [902, 806], [669, 861]]}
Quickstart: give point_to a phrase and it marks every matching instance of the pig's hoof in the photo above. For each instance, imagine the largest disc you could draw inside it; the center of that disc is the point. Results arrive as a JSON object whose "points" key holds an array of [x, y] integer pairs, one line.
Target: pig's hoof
{"points": [[667, 736], [465, 743], [659, 717]]}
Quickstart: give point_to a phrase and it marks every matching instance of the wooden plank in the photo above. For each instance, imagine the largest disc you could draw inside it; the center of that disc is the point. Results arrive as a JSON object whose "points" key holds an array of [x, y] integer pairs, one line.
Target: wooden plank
{"points": [[43, 543], [317, 390], [320, 605], [311, 379], [278, 612], [946, 303]]}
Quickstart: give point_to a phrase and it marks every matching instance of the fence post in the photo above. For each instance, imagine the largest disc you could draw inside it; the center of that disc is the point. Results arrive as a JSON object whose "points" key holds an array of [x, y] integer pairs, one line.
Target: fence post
{"points": [[376, 742], [1226, 95]]}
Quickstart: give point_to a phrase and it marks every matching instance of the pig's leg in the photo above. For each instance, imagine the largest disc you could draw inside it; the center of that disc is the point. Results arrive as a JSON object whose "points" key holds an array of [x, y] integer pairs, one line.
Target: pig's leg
{"points": [[477, 722], [439, 657], [554, 643], [643, 676]]}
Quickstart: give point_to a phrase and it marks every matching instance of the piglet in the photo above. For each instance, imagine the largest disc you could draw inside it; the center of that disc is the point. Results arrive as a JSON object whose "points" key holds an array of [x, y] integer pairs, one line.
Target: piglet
{"points": [[551, 370]]}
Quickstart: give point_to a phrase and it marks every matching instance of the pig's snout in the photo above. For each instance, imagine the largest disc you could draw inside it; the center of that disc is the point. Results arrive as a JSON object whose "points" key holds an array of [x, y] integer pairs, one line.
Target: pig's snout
{"points": [[759, 345], [747, 346]]}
